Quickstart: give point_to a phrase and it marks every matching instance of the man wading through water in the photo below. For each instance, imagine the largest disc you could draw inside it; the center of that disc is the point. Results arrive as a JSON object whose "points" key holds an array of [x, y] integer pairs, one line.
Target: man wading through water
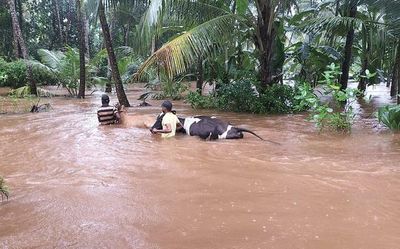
{"points": [[108, 114], [169, 122]]}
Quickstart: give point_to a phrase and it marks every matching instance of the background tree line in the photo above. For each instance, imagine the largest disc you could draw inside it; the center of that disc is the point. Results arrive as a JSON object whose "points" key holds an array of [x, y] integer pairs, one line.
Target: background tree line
{"points": [[213, 41]]}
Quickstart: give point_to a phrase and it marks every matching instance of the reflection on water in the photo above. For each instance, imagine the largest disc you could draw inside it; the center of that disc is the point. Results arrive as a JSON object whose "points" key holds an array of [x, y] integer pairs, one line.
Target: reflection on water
{"points": [[77, 184]]}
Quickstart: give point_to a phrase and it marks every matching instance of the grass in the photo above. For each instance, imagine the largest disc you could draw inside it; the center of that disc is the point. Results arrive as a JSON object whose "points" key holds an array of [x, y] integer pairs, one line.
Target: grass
{"points": [[11, 105]]}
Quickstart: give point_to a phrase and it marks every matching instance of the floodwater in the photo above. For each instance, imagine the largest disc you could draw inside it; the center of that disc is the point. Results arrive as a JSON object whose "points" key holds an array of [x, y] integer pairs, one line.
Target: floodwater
{"points": [[75, 184]]}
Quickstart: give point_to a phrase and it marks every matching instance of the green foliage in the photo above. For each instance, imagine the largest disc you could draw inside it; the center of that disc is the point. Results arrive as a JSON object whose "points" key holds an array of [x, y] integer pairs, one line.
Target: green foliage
{"points": [[170, 89], [241, 97], [390, 117], [277, 99], [64, 65], [305, 98], [4, 190], [197, 101], [12, 74], [237, 97], [306, 60], [340, 116]]}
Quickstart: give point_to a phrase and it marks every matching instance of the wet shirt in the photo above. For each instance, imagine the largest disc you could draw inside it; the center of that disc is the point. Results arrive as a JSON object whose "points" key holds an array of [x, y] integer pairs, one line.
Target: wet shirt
{"points": [[106, 115], [172, 120]]}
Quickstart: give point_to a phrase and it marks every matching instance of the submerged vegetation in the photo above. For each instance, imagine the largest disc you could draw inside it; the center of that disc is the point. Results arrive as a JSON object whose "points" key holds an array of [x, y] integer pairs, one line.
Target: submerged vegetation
{"points": [[260, 56], [4, 190]]}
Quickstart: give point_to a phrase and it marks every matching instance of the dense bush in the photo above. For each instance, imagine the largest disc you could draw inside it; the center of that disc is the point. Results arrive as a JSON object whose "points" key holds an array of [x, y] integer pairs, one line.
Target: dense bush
{"points": [[278, 99], [13, 74], [201, 102], [242, 97]]}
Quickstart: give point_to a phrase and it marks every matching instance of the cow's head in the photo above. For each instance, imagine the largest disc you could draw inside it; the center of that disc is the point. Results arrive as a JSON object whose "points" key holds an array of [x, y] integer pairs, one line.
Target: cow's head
{"points": [[234, 133], [158, 124]]}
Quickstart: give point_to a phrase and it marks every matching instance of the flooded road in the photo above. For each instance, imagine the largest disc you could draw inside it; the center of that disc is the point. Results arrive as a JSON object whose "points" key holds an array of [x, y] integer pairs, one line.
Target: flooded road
{"points": [[75, 184]]}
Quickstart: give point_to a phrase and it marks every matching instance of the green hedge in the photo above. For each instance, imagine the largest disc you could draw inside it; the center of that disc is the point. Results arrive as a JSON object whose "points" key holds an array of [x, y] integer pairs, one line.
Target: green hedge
{"points": [[240, 97], [13, 74]]}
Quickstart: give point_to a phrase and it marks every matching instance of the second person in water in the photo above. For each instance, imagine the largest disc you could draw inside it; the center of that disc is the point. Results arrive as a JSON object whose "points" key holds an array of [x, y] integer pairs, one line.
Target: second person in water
{"points": [[170, 121]]}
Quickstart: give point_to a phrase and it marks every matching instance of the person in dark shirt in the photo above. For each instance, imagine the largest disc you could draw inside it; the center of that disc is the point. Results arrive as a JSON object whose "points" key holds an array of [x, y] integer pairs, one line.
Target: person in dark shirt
{"points": [[107, 114]]}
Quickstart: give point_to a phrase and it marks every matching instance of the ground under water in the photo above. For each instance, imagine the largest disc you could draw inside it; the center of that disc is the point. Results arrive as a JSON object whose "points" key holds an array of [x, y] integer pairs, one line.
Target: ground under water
{"points": [[75, 184]]}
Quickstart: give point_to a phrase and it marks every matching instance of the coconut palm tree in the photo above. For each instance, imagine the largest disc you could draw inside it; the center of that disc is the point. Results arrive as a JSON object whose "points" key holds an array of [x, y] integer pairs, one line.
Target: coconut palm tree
{"points": [[210, 26], [99, 8]]}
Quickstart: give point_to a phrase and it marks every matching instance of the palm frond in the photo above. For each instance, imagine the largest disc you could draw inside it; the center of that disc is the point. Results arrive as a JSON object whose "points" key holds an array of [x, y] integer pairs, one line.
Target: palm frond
{"points": [[330, 24], [39, 66], [176, 56], [52, 59], [175, 14]]}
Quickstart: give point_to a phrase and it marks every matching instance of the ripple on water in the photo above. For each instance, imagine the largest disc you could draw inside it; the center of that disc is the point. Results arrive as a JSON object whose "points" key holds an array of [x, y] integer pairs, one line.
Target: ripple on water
{"points": [[107, 186]]}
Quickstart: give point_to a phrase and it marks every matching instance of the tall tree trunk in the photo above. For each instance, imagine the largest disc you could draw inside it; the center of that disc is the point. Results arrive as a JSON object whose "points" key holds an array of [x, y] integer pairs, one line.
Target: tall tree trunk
{"points": [[265, 36], [109, 71], [200, 78], [21, 43], [348, 50], [123, 100], [109, 76], [20, 12], [70, 19], [362, 85], [331, 38], [58, 25], [395, 89], [126, 35], [86, 32], [82, 48]]}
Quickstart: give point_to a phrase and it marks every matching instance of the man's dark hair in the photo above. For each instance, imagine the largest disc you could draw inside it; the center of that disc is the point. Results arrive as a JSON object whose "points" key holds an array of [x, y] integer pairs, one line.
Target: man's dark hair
{"points": [[105, 100], [167, 104]]}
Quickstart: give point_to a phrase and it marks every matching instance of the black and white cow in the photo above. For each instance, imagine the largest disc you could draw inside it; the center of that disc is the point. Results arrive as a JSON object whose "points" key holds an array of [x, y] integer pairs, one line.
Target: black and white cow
{"points": [[212, 128], [207, 127]]}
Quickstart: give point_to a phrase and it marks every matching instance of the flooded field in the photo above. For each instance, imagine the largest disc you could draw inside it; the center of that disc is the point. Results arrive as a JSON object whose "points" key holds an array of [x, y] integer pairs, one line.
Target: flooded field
{"points": [[76, 184]]}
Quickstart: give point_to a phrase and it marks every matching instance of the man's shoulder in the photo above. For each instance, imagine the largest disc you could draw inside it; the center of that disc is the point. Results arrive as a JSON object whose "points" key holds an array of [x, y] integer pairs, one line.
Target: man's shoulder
{"points": [[106, 108], [170, 118]]}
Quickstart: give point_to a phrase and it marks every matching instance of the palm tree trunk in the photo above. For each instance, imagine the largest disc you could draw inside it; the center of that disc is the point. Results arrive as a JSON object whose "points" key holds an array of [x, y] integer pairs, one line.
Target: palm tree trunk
{"points": [[394, 86], [347, 51], [82, 48], [20, 12], [395, 89], [200, 78], [126, 35], [362, 85], [57, 22], [265, 36], [123, 100], [86, 32], [21, 44]]}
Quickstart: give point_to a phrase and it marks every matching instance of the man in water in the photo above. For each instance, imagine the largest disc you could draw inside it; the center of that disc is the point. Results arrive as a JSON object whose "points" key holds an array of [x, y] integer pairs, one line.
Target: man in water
{"points": [[169, 122], [108, 114]]}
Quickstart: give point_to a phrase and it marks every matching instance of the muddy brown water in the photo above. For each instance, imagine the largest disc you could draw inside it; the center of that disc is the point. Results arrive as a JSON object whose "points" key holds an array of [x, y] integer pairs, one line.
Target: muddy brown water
{"points": [[76, 184]]}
